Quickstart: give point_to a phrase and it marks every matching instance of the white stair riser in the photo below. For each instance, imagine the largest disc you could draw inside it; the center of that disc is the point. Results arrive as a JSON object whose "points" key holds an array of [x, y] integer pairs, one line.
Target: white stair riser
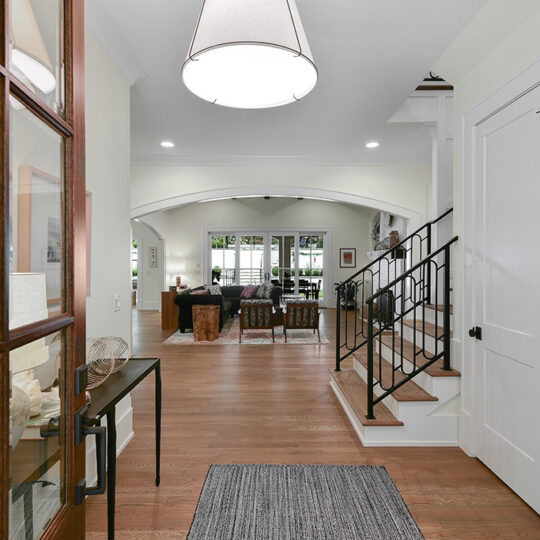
{"points": [[443, 388], [425, 341], [430, 315], [430, 431], [400, 409]]}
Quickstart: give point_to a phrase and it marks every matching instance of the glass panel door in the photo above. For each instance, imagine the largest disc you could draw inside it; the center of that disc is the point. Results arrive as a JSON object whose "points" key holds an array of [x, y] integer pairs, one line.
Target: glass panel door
{"points": [[283, 262], [251, 259], [311, 266], [42, 275], [223, 259]]}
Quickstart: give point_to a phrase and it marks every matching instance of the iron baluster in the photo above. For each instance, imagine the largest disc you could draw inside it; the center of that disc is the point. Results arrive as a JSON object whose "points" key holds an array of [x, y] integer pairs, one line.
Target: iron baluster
{"points": [[446, 317], [338, 328], [370, 414]]}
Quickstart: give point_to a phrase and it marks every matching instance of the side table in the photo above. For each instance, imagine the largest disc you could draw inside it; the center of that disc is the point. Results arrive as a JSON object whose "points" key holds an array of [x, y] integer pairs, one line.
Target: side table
{"points": [[104, 400], [169, 310]]}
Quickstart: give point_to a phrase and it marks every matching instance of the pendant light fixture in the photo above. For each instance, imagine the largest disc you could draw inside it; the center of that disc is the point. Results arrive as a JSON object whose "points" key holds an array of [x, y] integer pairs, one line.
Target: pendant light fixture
{"points": [[249, 54], [29, 57]]}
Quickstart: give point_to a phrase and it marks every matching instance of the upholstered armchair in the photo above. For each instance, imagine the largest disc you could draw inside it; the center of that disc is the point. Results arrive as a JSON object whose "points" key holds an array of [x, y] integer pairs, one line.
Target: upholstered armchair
{"points": [[301, 315]]}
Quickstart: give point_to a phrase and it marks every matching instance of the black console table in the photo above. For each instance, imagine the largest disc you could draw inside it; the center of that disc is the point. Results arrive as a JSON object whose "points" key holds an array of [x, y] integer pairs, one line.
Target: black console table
{"points": [[104, 400]]}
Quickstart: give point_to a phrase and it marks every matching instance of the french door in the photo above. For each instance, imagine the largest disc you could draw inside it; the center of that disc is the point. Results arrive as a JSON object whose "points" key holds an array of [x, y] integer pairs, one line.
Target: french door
{"points": [[42, 266], [298, 261], [505, 268]]}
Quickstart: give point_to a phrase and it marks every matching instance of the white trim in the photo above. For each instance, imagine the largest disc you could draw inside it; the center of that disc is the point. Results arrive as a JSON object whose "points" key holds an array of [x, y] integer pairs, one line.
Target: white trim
{"points": [[216, 160], [308, 193], [518, 86]]}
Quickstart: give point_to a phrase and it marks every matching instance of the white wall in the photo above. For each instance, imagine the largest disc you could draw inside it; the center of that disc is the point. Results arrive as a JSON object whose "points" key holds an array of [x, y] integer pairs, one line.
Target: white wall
{"points": [[150, 281], [401, 186], [184, 229], [107, 177], [499, 43]]}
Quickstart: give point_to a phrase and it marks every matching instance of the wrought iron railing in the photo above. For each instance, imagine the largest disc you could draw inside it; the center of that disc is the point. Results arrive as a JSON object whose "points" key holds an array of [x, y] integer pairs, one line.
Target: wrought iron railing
{"points": [[407, 298], [351, 294]]}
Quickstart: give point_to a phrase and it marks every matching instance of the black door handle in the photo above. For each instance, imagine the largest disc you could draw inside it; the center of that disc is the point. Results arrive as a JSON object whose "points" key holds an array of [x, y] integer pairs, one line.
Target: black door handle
{"points": [[81, 490], [476, 332], [83, 427]]}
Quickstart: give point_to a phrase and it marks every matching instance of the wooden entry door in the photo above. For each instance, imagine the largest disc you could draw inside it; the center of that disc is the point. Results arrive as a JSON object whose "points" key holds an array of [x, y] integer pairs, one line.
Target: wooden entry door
{"points": [[506, 269], [42, 267]]}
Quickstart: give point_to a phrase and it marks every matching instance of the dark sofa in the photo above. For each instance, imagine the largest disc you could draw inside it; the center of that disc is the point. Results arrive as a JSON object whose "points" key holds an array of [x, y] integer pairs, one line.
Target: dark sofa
{"points": [[229, 304]]}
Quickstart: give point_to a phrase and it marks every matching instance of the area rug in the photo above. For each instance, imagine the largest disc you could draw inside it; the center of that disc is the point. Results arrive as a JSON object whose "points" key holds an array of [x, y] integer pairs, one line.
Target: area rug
{"points": [[293, 502], [231, 330]]}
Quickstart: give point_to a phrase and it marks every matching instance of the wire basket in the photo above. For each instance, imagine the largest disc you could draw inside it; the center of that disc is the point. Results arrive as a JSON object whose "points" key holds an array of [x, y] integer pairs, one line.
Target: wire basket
{"points": [[105, 356]]}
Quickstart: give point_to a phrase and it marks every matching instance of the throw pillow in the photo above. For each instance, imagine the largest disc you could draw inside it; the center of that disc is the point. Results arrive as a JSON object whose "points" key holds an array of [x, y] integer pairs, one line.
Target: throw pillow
{"points": [[202, 291], [249, 291], [265, 290], [184, 291], [214, 289]]}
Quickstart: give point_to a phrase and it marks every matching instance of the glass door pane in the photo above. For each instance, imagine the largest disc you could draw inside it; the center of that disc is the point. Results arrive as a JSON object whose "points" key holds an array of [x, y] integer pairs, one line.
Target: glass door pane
{"points": [[36, 219], [251, 260], [311, 265], [223, 259], [37, 435], [35, 48], [282, 260]]}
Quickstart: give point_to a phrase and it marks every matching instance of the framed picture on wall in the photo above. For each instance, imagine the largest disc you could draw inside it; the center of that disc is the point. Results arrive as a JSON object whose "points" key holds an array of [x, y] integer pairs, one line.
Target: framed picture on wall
{"points": [[153, 257], [347, 258]]}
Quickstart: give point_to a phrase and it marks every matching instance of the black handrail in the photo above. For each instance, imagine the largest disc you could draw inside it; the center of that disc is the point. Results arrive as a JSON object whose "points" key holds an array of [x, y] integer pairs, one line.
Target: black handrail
{"points": [[410, 290], [352, 334], [428, 224]]}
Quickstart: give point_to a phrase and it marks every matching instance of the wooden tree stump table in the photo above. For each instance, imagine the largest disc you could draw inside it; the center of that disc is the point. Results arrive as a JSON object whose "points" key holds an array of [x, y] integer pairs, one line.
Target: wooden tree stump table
{"points": [[205, 323]]}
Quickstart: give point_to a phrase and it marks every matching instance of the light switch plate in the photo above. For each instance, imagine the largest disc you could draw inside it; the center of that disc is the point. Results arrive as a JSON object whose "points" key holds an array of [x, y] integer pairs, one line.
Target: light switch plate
{"points": [[116, 302]]}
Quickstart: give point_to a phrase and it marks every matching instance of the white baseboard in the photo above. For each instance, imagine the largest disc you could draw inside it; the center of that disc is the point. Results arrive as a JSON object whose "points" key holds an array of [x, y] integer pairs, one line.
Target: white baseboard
{"points": [[124, 434]]}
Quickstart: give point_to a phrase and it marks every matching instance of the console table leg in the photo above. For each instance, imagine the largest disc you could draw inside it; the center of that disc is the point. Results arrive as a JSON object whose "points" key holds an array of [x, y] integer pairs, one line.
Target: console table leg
{"points": [[111, 471], [158, 424]]}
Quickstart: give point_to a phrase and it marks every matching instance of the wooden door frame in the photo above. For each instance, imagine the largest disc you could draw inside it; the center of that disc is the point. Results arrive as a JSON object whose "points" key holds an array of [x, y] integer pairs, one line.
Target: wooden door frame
{"points": [[70, 520], [520, 85]]}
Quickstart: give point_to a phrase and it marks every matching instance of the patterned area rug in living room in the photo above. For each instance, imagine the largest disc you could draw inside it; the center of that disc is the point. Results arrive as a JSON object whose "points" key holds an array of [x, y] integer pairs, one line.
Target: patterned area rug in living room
{"points": [[231, 331], [293, 502]]}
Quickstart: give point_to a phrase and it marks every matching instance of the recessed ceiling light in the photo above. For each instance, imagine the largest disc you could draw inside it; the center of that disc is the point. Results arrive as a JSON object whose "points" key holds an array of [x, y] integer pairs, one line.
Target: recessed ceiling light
{"points": [[372, 144], [167, 144]]}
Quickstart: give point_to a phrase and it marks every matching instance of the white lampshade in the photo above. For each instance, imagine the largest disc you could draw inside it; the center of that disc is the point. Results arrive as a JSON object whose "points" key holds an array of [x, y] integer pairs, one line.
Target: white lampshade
{"points": [[27, 304], [249, 54], [29, 57]]}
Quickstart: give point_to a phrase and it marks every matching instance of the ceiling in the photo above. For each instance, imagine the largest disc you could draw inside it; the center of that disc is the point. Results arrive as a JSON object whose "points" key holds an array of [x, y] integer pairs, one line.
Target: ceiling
{"points": [[371, 54]]}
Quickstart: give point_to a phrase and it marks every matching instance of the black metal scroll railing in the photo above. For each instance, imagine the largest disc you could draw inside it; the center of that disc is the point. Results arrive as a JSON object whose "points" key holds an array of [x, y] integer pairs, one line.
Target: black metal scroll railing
{"points": [[351, 294], [389, 366]]}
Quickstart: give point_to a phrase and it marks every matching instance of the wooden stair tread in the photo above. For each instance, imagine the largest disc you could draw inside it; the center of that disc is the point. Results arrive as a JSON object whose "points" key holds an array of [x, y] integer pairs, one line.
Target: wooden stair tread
{"points": [[376, 328], [355, 391], [435, 370], [410, 391], [431, 329], [438, 307]]}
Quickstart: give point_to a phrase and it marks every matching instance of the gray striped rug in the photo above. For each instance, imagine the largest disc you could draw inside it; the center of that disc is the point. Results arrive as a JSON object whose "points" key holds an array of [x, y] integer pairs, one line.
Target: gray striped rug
{"points": [[308, 502]]}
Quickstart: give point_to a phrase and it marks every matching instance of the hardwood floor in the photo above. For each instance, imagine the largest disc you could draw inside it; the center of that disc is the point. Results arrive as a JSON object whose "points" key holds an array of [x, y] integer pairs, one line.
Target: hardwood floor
{"points": [[273, 404]]}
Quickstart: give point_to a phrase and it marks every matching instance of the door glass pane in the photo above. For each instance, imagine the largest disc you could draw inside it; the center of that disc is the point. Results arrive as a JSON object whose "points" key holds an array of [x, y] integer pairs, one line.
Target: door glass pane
{"points": [[251, 260], [36, 220], [282, 261], [228, 276], [35, 48], [37, 435]]}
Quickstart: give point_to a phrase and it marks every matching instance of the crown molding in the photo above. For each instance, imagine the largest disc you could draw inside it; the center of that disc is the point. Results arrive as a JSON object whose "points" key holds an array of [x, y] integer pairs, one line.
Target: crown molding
{"points": [[141, 160], [112, 40]]}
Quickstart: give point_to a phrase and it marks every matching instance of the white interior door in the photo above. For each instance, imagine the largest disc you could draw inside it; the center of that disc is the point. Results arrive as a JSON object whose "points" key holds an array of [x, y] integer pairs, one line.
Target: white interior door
{"points": [[506, 266]]}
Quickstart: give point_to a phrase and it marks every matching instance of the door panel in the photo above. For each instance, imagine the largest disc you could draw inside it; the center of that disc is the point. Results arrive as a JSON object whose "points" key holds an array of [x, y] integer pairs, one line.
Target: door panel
{"points": [[507, 266], [42, 267]]}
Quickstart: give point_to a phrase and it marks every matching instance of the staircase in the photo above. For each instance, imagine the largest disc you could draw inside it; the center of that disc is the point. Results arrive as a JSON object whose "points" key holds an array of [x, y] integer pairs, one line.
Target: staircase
{"points": [[394, 375]]}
